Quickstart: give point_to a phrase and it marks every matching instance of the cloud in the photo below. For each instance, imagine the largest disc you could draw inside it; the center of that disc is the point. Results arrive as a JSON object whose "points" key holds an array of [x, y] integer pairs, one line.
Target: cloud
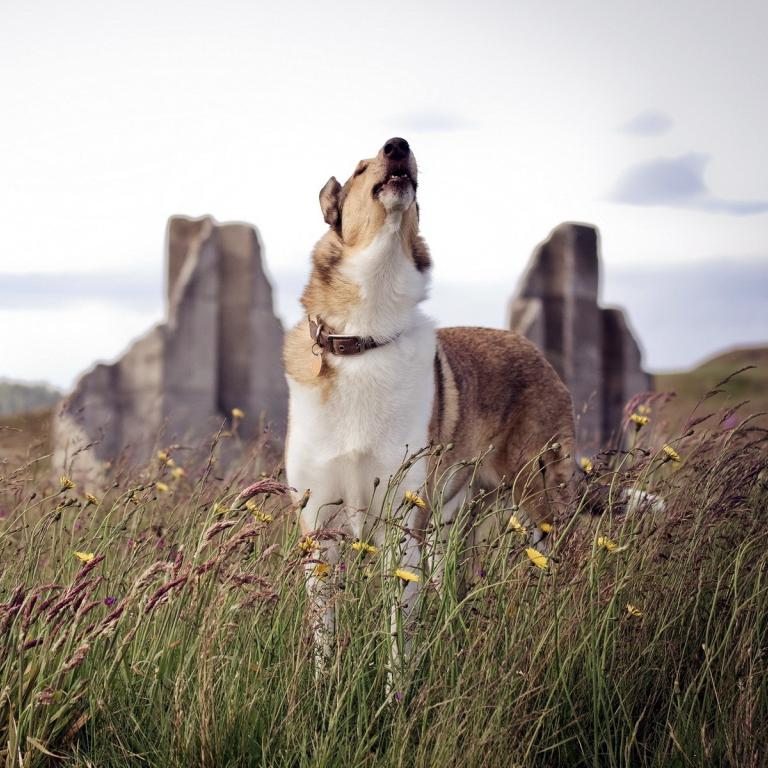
{"points": [[679, 182], [52, 290], [428, 122], [651, 122]]}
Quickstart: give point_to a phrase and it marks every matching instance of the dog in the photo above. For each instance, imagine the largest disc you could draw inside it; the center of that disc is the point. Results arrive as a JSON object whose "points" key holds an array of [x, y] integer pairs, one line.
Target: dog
{"points": [[371, 379]]}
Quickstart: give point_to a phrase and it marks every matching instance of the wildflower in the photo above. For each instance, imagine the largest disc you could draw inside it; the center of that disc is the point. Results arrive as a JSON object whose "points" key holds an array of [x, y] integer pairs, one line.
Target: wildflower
{"points": [[170, 463], [238, 414], [546, 527], [263, 517], [586, 465], [321, 570], [608, 544], [163, 456], [85, 557], [539, 560], [638, 420], [670, 453], [307, 544], [91, 499], [177, 473], [515, 525], [162, 487], [644, 409], [110, 601], [401, 573], [415, 500], [633, 610], [361, 546], [399, 696], [66, 483]]}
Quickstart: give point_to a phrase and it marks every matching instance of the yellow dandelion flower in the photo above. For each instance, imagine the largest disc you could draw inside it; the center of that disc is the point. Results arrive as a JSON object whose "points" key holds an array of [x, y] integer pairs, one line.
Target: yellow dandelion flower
{"points": [[307, 544], [263, 517], [238, 414], [586, 465], [608, 544], [66, 483], [162, 487], [84, 557], [515, 525], [322, 569], [91, 499], [633, 610], [177, 473], [361, 546], [539, 560], [638, 420], [546, 527], [670, 453], [401, 573], [415, 499]]}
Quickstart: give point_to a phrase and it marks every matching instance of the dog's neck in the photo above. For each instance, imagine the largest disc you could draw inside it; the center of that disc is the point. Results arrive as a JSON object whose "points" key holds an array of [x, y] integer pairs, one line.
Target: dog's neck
{"points": [[381, 280]]}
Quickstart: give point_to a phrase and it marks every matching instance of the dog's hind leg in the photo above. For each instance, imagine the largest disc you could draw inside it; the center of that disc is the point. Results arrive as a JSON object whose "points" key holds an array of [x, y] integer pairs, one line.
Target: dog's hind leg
{"points": [[445, 501], [442, 544]]}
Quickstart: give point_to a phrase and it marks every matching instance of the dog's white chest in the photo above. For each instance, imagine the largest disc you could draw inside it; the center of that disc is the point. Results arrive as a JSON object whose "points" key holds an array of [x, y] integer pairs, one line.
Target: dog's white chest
{"points": [[378, 409]]}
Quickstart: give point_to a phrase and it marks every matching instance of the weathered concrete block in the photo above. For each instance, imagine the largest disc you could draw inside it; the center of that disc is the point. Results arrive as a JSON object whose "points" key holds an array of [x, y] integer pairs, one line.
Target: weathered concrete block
{"points": [[219, 349], [591, 348]]}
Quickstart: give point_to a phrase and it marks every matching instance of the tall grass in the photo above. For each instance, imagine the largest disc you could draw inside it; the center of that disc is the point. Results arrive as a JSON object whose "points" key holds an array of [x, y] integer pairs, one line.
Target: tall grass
{"points": [[185, 639]]}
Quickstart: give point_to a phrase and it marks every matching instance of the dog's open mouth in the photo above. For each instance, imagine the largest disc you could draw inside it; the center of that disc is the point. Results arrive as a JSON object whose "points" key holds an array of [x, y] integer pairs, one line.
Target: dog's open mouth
{"points": [[396, 181]]}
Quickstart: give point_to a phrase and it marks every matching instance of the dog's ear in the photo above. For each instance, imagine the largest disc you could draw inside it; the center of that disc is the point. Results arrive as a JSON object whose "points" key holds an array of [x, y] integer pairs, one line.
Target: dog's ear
{"points": [[329, 201]]}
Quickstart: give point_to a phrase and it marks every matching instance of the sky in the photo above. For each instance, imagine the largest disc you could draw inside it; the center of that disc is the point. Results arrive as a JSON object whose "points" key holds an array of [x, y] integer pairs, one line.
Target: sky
{"points": [[647, 120]]}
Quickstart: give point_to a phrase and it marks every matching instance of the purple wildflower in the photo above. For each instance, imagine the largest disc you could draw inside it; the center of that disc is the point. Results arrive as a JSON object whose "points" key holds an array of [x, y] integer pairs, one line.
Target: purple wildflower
{"points": [[110, 601]]}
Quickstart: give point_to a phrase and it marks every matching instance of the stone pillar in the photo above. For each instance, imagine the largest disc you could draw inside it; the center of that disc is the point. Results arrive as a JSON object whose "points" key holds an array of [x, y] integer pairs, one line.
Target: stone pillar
{"points": [[591, 348], [220, 348]]}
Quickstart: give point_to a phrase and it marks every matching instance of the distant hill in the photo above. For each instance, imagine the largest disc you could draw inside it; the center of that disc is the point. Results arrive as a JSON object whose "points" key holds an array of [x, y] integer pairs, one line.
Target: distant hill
{"points": [[20, 397], [25, 436], [691, 386]]}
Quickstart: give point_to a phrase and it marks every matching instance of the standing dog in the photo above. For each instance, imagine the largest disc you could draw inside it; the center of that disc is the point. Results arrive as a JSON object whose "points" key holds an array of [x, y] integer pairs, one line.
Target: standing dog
{"points": [[370, 377]]}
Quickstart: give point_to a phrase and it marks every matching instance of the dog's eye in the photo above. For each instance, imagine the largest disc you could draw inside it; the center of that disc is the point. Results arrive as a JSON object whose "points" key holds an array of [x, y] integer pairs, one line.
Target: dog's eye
{"points": [[360, 169]]}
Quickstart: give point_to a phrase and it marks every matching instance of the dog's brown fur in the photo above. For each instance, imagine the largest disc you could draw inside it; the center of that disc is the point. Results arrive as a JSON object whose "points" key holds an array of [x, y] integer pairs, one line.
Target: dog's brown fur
{"points": [[494, 388]]}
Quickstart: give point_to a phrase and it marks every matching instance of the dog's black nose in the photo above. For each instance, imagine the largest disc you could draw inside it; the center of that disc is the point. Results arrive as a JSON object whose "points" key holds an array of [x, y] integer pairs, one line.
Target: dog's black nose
{"points": [[396, 149]]}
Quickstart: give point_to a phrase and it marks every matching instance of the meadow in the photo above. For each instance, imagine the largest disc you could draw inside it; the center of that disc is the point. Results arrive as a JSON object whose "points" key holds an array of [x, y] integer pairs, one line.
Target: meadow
{"points": [[162, 621]]}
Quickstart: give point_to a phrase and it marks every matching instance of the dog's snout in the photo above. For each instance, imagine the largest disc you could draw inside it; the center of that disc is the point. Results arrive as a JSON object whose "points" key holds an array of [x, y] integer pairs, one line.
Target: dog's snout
{"points": [[396, 149]]}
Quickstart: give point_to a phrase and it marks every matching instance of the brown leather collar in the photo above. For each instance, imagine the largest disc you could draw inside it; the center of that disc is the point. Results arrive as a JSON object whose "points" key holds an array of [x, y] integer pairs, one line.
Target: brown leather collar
{"points": [[337, 344]]}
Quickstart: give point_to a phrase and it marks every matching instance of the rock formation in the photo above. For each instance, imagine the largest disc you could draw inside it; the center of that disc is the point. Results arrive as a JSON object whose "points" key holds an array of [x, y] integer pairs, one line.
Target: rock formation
{"points": [[591, 347], [219, 349]]}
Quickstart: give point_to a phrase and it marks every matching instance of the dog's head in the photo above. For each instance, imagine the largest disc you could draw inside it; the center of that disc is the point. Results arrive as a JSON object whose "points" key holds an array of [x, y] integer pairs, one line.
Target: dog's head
{"points": [[380, 187]]}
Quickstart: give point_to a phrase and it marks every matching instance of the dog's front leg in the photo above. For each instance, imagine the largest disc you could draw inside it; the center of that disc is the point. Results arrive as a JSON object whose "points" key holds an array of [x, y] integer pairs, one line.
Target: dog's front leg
{"points": [[319, 571]]}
